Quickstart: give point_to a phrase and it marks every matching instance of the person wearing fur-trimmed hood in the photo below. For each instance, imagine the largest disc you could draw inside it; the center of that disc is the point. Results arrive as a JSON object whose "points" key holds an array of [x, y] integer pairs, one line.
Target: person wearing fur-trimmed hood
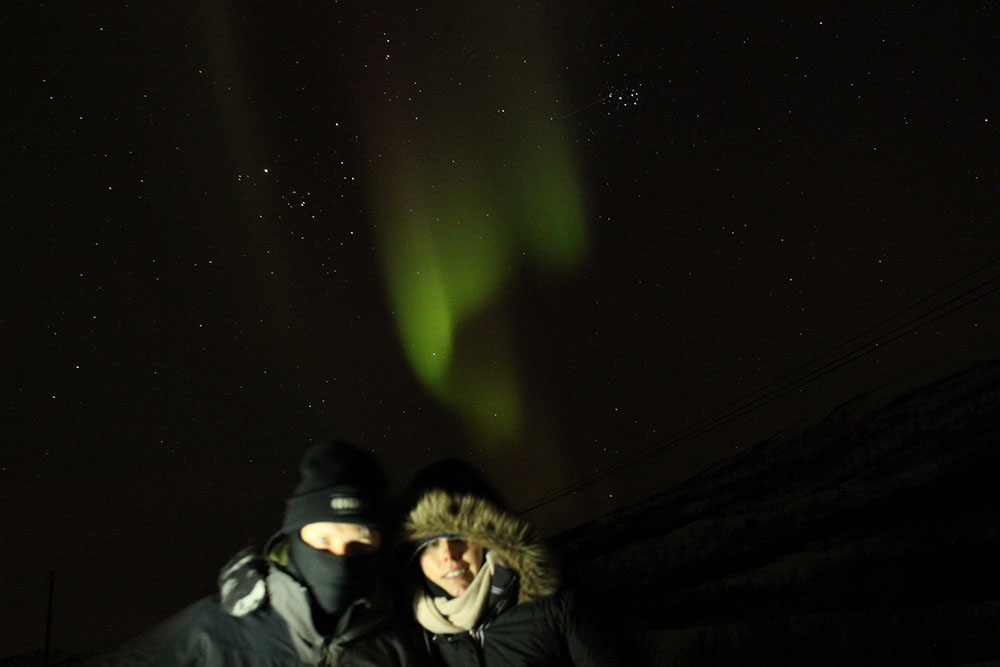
{"points": [[486, 590], [314, 596]]}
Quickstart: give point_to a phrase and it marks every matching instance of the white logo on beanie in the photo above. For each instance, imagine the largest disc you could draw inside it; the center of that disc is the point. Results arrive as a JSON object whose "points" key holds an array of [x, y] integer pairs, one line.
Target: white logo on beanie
{"points": [[345, 503]]}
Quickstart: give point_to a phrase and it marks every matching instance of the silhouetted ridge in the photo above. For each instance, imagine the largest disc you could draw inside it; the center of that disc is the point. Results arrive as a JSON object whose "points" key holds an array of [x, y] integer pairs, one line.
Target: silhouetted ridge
{"points": [[881, 519]]}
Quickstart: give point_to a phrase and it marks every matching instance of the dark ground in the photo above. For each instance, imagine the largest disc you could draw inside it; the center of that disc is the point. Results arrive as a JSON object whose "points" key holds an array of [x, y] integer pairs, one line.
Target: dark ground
{"points": [[872, 538]]}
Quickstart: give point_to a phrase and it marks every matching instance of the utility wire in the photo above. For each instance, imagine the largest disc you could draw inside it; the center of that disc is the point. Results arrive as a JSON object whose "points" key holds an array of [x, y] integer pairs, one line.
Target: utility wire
{"points": [[783, 385]]}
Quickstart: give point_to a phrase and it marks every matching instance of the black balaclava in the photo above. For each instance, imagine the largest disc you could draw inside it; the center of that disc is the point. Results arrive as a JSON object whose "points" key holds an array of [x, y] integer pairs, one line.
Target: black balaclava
{"points": [[342, 484], [333, 581]]}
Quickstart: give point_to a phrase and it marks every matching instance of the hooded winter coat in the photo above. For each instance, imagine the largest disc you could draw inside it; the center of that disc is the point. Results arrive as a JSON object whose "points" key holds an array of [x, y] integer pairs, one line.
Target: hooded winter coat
{"points": [[262, 617], [527, 619]]}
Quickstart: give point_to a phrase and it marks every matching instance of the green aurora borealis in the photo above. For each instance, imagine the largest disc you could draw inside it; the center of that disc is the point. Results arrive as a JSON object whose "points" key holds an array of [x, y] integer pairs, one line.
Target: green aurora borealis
{"points": [[464, 207]]}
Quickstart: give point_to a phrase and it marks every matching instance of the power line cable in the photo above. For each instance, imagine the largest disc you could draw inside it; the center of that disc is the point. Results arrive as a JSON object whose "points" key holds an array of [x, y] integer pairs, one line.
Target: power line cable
{"points": [[753, 402], [745, 407]]}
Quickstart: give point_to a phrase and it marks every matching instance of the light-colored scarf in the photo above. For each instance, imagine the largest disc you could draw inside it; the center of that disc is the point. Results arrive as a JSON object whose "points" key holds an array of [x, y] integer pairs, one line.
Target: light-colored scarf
{"points": [[448, 616]]}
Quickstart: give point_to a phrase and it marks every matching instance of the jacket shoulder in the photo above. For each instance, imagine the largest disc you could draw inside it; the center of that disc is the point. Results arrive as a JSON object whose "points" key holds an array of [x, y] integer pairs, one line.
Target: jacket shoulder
{"points": [[243, 583], [206, 634]]}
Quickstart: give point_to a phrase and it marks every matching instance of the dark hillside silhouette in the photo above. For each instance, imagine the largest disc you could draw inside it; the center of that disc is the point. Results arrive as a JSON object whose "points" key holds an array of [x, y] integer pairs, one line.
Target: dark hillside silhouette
{"points": [[874, 537]]}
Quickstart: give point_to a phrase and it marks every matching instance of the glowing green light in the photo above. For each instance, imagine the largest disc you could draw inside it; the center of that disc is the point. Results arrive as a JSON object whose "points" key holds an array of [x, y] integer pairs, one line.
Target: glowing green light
{"points": [[424, 318], [553, 229], [463, 205]]}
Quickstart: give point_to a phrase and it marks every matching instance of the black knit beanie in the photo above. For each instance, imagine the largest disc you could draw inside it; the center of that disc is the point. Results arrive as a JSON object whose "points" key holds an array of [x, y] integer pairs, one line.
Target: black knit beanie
{"points": [[340, 483]]}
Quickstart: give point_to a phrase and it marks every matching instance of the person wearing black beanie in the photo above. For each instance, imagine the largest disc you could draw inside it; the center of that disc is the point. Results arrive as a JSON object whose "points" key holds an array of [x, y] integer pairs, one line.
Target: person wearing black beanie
{"points": [[330, 535], [314, 596]]}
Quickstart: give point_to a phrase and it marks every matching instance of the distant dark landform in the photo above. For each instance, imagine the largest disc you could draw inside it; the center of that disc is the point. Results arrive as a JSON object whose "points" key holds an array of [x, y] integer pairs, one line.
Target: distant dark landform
{"points": [[872, 538]]}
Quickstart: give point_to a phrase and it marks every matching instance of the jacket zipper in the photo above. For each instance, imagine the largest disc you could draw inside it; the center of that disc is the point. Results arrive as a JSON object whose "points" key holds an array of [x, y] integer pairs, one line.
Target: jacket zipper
{"points": [[479, 642]]}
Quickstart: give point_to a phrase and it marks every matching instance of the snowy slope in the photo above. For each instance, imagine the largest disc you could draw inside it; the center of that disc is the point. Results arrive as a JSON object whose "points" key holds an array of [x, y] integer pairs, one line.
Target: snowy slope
{"points": [[873, 537]]}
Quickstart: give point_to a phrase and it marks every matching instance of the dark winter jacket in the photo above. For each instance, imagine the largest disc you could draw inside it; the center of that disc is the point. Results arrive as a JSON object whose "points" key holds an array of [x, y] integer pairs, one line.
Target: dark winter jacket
{"points": [[527, 619], [262, 617]]}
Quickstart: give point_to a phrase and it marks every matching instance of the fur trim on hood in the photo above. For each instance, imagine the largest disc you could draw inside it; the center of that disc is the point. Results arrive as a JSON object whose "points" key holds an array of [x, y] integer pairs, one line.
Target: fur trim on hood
{"points": [[495, 529]]}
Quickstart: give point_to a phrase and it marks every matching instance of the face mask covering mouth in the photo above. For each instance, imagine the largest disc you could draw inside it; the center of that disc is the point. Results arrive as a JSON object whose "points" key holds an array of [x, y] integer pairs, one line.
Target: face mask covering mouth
{"points": [[334, 581]]}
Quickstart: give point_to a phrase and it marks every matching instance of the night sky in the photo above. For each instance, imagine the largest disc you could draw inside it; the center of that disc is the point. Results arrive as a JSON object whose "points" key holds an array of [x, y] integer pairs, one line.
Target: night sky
{"points": [[549, 239]]}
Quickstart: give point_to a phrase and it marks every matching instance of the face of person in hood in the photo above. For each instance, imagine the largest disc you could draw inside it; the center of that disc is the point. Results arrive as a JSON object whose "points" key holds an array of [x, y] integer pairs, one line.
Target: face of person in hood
{"points": [[341, 539], [451, 563]]}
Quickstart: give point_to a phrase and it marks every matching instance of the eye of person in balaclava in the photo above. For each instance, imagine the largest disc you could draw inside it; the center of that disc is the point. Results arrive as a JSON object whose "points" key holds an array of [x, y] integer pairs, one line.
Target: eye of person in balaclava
{"points": [[336, 561]]}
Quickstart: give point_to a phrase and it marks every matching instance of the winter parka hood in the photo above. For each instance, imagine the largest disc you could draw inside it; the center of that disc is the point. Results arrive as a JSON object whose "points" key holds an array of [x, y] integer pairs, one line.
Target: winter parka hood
{"points": [[493, 528]]}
